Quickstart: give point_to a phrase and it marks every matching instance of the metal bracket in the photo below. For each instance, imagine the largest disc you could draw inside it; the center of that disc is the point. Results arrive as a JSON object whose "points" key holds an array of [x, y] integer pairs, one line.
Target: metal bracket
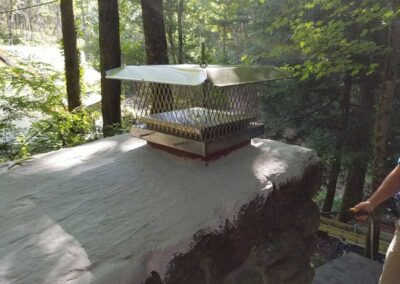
{"points": [[180, 143], [146, 134]]}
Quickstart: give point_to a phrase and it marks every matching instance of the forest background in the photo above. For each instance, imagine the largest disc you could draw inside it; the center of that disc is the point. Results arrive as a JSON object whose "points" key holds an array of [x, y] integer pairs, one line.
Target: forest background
{"points": [[342, 100]]}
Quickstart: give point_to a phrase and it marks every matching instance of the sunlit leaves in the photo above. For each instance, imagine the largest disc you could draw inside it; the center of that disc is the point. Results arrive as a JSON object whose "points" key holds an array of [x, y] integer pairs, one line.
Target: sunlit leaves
{"points": [[33, 117], [335, 36]]}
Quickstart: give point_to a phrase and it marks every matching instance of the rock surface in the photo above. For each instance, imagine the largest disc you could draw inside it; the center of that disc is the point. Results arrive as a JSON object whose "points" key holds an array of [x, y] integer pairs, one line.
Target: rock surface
{"points": [[351, 268], [119, 211]]}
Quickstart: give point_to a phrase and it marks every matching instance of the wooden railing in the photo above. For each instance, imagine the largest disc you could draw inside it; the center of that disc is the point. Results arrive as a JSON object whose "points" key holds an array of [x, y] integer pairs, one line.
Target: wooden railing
{"points": [[353, 234]]}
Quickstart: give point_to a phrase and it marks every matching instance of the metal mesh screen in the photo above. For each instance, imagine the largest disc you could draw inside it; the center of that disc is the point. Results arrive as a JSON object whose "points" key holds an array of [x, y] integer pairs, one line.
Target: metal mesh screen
{"points": [[200, 113]]}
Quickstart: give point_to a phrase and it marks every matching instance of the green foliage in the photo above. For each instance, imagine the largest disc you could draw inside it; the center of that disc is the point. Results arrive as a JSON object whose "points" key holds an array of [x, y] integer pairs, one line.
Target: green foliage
{"points": [[334, 37], [63, 129], [303, 112], [131, 33], [34, 118], [128, 120], [319, 198], [28, 26]]}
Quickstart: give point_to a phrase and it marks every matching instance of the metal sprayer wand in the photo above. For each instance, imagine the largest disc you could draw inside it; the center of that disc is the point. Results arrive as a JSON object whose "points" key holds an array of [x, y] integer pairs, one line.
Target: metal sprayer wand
{"points": [[372, 238]]}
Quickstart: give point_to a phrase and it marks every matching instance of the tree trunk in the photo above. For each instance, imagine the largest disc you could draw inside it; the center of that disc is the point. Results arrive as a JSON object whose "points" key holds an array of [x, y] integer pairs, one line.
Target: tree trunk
{"points": [[30, 30], [170, 30], [337, 159], [71, 55], [10, 23], [360, 144], [224, 24], [10, 33], [181, 7], [84, 24], [110, 57], [57, 27], [154, 32], [332, 180], [390, 79], [224, 34], [354, 188], [156, 51]]}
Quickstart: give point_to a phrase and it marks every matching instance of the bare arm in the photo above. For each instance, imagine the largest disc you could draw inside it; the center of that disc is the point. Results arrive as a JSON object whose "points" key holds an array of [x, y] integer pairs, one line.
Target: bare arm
{"points": [[388, 188]]}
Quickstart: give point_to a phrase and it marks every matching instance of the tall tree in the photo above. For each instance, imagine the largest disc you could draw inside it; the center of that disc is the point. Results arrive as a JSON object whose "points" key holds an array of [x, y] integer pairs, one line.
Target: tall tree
{"points": [[154, 31], [110, 57], [336, 163], [359, 146], [181, 7], [156, 50], [10, 20], [170, 29], [390, 78], [71, 54]]}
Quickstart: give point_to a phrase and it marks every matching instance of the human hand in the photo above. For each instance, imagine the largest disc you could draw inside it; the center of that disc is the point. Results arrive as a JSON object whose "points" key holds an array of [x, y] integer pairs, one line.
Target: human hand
{"points": [[363, 209]]}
